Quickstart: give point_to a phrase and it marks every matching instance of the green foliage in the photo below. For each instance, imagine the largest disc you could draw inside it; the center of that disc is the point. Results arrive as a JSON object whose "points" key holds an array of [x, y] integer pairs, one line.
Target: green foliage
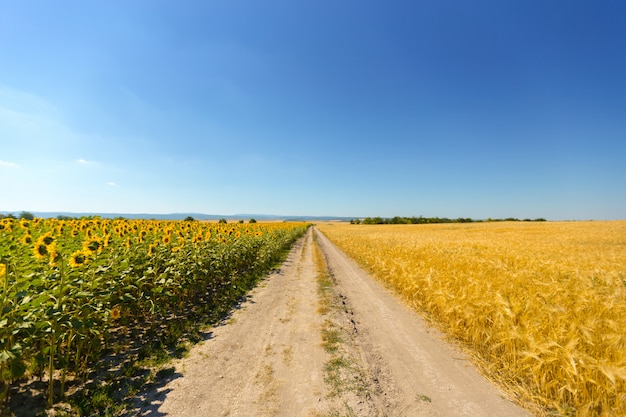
{"points": [[26, 215], [430, 220], [143, 279]]}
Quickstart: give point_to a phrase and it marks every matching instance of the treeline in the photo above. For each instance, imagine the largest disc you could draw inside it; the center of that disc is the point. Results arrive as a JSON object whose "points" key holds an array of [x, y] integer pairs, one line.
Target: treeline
{"points": [[432, 220]]}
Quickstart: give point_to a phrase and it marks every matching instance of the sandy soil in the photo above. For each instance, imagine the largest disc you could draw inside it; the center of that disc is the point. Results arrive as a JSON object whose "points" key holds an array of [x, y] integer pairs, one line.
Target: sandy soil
{"points": [[268, 359]]}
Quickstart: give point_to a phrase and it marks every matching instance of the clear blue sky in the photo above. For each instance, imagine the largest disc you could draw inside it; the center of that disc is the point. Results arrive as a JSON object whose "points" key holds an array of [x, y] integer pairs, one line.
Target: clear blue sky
{"points": [[354, 108]]}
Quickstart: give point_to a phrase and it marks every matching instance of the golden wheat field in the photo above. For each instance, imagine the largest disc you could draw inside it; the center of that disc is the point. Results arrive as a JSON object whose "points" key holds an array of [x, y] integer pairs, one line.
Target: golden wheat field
{"points": [[540, 305]]}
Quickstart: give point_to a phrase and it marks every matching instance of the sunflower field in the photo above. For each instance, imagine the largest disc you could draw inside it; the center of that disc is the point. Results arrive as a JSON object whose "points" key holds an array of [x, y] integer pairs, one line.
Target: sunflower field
{"points": [[540, 306], [68, 286]]}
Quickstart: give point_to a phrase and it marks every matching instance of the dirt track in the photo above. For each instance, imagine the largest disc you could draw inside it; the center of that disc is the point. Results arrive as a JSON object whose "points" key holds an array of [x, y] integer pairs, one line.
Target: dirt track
{"points": [[268, 359]]}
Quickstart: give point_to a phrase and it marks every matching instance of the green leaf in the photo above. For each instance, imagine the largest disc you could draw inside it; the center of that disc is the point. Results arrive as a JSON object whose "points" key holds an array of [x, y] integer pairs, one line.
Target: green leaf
{"points": [[6, 355]]}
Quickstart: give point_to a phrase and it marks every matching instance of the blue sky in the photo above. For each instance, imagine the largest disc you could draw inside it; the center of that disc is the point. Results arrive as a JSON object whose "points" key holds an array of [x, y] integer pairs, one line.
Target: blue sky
{"points": [[353, 108]]}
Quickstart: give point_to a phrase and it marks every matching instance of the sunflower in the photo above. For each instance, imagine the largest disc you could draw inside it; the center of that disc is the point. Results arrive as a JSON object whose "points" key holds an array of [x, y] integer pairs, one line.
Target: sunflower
{"points": [[166, 239], [41, 250], [116, 313], [27, 239], [55, 256], [3, 270], [93, 245], [79, 258], [46, 238]]}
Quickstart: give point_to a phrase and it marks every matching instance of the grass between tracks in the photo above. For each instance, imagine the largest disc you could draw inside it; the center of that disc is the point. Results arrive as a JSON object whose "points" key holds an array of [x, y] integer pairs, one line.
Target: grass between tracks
{"points": [[344, 375]]}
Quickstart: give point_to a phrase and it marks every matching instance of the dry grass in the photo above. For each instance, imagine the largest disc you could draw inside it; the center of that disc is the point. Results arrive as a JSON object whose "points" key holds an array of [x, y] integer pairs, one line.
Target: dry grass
{"points": [[541, 305]]}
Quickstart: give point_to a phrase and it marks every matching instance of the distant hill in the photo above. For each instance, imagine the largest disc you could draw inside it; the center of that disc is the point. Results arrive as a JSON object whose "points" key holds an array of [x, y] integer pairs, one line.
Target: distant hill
{"points": [[181, 216]]}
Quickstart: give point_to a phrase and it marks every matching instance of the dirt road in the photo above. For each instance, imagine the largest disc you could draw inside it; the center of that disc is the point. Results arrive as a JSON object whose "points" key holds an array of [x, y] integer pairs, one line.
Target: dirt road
{"points": [[299, 347]]}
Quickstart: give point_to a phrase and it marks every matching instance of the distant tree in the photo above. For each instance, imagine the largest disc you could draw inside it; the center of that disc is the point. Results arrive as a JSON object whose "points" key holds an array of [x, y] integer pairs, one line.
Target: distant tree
{"points": [[252, 221], [240, 221], [222, 221], [189, 219], [414, 220], [7, 216], [463, 220], [26, 215], [373, 220]]}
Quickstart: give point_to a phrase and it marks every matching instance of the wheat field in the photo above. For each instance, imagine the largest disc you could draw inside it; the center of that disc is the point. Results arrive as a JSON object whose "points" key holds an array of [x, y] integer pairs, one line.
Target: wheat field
{"points": [[540, 306]]}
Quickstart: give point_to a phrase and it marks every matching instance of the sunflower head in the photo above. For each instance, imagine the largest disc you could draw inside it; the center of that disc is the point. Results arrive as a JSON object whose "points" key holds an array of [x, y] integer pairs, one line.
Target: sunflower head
{"points": [[92, 245], [3, 270], [79, 258], [41, 250], [116, 313], [45, 239], [55, 256]]}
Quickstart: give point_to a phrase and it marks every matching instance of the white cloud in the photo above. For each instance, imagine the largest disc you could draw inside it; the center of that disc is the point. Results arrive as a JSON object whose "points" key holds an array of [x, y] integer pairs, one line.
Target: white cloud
{"points": [[82, 161], [8, 164], [111, 184]]}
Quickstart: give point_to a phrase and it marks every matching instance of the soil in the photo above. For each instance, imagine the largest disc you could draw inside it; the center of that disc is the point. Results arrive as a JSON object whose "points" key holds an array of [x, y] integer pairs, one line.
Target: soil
{"points": [[272, 357]]}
